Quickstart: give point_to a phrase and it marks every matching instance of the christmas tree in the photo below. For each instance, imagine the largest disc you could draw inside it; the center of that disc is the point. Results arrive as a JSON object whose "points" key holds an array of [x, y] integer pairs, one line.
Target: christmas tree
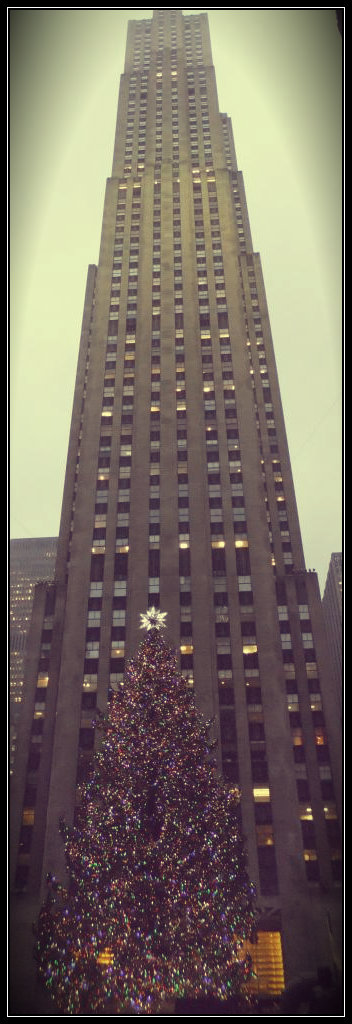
{"points": [[159, 903]]}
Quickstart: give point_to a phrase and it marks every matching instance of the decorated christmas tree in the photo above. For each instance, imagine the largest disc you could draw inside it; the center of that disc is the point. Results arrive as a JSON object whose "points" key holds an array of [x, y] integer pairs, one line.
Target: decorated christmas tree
{"points": [[158, 904]]}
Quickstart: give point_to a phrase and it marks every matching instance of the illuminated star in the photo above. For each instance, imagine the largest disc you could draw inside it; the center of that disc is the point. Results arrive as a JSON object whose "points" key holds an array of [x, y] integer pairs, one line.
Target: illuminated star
{"points": [[153, 619]]}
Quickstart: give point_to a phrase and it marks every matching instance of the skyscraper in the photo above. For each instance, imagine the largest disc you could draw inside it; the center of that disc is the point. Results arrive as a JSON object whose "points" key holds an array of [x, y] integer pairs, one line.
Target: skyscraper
{"points": [[179, 494]]}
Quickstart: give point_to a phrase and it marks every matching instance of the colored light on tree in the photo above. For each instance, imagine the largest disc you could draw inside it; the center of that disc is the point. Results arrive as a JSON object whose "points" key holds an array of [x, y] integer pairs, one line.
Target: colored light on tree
{"points": [[159, 902]]}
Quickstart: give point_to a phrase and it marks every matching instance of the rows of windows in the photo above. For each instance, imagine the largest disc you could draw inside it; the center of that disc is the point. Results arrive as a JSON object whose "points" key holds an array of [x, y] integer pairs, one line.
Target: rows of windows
{"points": [[117, 636], [78, 452], [271, 473], [36, 741], [318, 729], [185, 598], [230, 767], [135, 140], [255, 720], [225, 124]]}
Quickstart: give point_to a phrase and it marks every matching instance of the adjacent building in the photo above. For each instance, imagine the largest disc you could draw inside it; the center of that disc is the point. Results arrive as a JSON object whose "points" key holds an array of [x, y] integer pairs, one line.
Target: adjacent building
{"points": [[179, 494], [31, 559]]}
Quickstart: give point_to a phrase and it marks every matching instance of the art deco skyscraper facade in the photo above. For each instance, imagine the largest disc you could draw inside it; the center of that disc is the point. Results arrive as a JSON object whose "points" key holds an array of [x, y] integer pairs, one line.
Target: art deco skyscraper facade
{"points": [[179, 493]]}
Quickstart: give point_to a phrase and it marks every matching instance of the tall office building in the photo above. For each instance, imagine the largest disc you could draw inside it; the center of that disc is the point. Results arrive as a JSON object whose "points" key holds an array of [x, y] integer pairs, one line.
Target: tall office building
{"points": [[179, 494], [332, 608], [31, 559]]}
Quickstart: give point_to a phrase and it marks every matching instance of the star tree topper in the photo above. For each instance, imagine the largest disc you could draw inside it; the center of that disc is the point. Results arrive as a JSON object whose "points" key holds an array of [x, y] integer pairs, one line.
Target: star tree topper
{"points": [[153, 619]]}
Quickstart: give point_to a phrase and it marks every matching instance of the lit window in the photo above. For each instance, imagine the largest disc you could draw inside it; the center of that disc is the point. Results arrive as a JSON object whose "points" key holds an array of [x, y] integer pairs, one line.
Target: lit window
{"points": [[306, 813], [310, 855], [42, 680], [261, 794], [297, 737], [320, 737], [330, 812], [265, 835], [28, 816]]}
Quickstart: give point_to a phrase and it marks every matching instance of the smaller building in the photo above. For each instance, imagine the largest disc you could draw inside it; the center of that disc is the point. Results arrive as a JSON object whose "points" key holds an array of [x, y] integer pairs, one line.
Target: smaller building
{"points": [[332, 607], [31, 559]]}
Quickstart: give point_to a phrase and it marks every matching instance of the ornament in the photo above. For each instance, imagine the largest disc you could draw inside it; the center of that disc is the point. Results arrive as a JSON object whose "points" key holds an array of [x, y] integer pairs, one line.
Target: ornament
{"points": [[153, 619]]}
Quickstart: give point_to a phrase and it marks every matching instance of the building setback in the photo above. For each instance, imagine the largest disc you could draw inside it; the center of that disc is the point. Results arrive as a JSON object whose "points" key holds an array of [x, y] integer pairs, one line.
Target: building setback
{"points": [[179, 494], [332, 608]]}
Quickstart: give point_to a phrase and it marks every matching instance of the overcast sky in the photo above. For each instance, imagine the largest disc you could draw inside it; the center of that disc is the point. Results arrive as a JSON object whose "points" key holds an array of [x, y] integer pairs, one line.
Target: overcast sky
{"points": [[279, 78]]}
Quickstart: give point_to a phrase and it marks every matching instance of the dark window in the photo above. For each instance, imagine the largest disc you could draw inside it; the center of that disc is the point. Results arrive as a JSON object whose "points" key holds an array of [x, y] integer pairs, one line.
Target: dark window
{"points": [[226, 695], [86, 739], [90, 665], [243, 562], [22, 873], [312, 870], [308, 835], [224, 661], [40, 694], [248, 629], [256, 731], [218, 561], [263, 813], [186, 661], [25, 838], [184, 562], [37, 726], [117, 664], [154, 563], [333, 832], [118, 632], [186, 629], [299, 755], [281, 592], [89, 699], [230, 767], [222, 629], [222, 320], [253, 695], [327, 789], [323, 754], [121, 565], [33, 760], [301, 590], [228, 727], [30, 796], [259, 770], [50, 601], [97, 568], [336, 868], [267, 870], [251, 660], [303, 789]]}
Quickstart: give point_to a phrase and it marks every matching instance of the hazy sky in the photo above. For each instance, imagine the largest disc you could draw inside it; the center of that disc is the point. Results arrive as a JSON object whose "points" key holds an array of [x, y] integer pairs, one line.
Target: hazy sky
{"points": [[279, 78]]}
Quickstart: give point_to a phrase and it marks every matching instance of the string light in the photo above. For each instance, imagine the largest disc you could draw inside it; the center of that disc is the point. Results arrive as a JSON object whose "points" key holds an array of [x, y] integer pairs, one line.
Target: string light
{"points": [[159, 902]]}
